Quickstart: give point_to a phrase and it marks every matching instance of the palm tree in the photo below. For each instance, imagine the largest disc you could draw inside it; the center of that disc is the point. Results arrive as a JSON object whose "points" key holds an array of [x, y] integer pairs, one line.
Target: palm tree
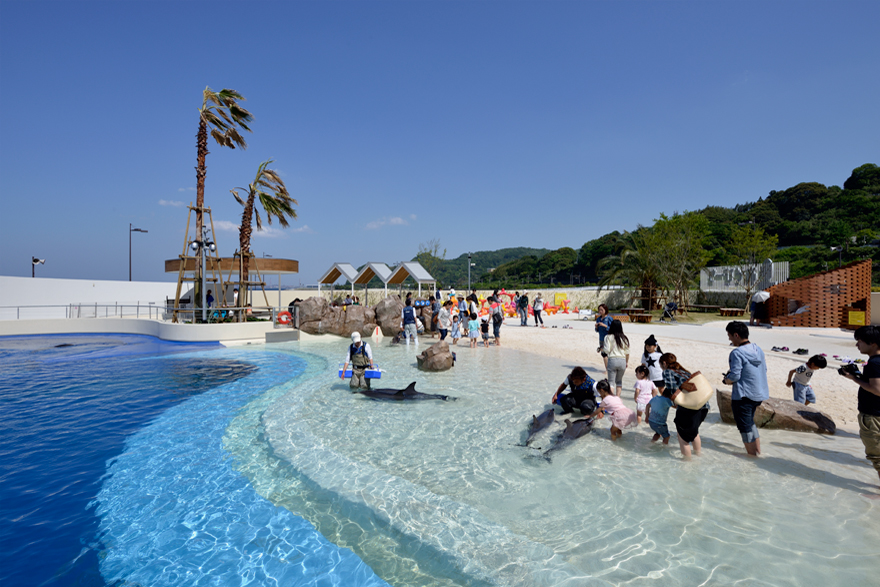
{"points": [[275, 200], [638, 265], [221, 113]]}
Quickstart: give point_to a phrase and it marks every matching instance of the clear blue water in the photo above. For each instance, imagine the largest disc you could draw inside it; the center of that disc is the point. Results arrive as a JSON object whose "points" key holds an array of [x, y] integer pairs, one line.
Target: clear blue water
{"points": [[126, 465], [113, 471]]}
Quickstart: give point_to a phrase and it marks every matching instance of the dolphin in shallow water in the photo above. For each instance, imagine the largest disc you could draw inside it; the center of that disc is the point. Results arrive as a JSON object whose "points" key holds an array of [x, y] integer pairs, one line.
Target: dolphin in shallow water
{"points": [[539, 423], [573, 430], [409, 393]]}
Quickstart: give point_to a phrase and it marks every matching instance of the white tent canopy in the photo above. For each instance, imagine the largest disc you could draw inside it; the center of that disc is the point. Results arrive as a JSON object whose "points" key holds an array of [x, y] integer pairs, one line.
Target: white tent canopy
{"points": [[372, 270], [414, 270], [338, 270]]}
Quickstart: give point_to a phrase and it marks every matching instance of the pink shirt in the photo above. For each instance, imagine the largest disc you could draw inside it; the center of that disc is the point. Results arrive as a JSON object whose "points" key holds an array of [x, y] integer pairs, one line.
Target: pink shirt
{"points": [[645, 389]]}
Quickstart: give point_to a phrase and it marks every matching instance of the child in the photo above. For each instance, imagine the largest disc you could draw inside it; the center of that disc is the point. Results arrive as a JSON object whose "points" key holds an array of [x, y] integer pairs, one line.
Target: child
{"points": [[484, 330], [473, 329], [582, 396], [645, 390], [799, 379], [656, 413], [621, 416], [456, 329], [651, 360]]}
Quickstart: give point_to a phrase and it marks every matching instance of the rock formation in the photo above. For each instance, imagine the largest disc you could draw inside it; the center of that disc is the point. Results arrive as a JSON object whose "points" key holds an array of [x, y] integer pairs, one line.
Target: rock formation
{"points": [[317, 316], [436, 357], [780, 414]]}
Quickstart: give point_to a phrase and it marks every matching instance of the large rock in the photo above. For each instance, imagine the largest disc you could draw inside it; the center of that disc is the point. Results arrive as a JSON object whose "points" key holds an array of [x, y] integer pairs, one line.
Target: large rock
{"points": [[319, 317], [780, 414], [436, 357], [388, 315]]}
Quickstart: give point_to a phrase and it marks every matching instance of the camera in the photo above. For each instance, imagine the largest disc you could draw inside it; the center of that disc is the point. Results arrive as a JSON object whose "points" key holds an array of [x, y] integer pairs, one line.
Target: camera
{"points": [[850, 368], [724, 377]]}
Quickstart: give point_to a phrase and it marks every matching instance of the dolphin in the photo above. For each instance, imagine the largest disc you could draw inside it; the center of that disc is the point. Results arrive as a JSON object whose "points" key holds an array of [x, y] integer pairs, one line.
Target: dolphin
{"points": [[409, 393], [539, 423], [573, 430]]}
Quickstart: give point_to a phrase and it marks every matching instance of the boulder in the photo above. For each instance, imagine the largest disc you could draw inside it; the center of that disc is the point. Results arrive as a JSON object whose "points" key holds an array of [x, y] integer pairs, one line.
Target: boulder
{"points": [[387, 314], [436, 357], [780, 414], [319, 317]]}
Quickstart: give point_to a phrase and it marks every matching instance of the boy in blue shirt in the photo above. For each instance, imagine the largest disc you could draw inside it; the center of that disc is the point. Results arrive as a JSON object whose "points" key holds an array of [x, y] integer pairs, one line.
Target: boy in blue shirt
{"points": [[656, 413]]}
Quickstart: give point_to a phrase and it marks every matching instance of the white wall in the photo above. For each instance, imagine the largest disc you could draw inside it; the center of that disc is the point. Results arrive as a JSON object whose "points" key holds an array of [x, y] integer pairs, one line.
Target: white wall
{"points": [[42, 291]]}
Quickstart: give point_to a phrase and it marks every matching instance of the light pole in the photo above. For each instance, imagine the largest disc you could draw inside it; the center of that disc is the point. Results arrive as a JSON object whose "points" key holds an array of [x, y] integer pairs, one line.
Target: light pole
{"points": [[200, 246], [839, 256], [469, 272], [131, 230], [34, 263]]}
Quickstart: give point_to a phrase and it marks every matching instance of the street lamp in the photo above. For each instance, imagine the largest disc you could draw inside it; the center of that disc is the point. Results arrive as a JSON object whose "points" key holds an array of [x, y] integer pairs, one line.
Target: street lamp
{"points": [[469, 271], [840, 255], [131, 230], [34, 263], [200, 246]]}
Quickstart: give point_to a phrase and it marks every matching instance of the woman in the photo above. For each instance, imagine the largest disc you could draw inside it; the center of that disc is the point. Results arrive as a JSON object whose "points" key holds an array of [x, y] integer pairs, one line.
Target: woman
{"points": [[616, 352], [687, 421], [537, 308], [444, 319], [603, 322]]}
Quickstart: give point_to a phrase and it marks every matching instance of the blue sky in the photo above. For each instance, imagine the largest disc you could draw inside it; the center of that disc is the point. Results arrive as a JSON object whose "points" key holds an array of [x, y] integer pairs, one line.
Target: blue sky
{"points": [[482, 124]]}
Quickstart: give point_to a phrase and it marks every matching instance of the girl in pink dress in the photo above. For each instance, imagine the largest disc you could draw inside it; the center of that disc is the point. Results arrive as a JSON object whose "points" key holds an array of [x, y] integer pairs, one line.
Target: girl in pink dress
{"points": [[621, 416]]}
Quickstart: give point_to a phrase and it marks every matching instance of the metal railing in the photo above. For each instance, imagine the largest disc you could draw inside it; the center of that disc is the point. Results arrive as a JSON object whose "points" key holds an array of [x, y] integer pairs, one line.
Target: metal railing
{"points": [[148, 311]]}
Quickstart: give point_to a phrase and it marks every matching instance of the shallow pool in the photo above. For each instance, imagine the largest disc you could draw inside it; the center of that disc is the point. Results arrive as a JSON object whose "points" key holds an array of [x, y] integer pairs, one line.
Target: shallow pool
{"points": [[272, 472]]}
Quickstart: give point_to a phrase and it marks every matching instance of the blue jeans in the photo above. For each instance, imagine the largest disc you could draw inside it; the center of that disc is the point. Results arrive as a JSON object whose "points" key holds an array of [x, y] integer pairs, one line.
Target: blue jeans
{"points": [[523, 316], [803, 393], [744, 416], [660, 428]]}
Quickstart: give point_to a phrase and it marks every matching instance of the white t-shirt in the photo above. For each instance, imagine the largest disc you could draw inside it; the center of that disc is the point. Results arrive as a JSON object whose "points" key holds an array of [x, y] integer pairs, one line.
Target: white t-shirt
{"points": [[802, 375], [652, 362], [539, 304]]}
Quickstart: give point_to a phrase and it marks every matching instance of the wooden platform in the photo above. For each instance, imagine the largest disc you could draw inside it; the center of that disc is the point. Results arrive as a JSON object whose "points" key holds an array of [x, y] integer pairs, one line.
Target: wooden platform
{"points": [[731, 311], [641, 318]]}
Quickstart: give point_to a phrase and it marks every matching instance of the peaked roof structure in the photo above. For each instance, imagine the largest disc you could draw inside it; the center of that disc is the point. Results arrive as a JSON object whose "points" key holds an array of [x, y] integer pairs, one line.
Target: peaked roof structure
{"points": [[415, 271], [338, 270], [372, 270]]}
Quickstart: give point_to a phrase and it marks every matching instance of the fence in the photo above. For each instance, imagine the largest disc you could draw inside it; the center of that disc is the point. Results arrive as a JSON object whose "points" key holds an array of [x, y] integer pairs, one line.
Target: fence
{"points": [[733, 278]]}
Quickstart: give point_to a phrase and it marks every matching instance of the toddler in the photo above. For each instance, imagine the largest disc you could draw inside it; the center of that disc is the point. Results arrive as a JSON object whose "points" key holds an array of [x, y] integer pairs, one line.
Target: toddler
{"points": [[621, 416], [656, 413], [799, 379], [473, 329], [645, 390], [456, 329], [484, 330]]}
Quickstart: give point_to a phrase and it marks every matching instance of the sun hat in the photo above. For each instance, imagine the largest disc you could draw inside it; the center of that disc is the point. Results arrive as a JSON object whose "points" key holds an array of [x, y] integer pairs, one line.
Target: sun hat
{"points": [[355, 337], [452, 292]]}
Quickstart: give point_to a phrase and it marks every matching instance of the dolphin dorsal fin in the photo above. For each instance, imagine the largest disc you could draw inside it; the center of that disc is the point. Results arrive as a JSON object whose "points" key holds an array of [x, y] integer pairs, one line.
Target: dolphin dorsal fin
{"points": [[534, 420], [410, 389]]}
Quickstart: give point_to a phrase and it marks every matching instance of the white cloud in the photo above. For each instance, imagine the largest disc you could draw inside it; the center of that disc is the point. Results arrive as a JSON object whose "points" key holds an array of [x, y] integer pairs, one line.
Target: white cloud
{"points": [[186, 189], [303, 228], [225, 226], [393, 221], [171, 203], [268, 232]]}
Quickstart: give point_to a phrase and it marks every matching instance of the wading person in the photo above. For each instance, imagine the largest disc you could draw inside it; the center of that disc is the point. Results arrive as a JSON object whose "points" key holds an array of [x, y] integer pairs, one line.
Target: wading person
{"points": [[748, 375], [360, 356], [408, 322], [868, 343]]}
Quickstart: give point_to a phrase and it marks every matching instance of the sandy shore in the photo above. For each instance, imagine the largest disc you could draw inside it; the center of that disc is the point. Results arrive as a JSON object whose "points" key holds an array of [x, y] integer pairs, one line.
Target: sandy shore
{"points": [[701, 348]]}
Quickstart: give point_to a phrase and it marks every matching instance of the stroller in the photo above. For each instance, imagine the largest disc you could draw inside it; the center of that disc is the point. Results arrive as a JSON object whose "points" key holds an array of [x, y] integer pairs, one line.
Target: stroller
{"points": [[669, 312]]}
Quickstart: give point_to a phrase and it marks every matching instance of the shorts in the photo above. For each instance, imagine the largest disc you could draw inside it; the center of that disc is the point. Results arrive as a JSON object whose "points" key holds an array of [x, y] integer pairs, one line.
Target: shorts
{"points": [[411, 331], [485, 335], [660, 384], [869, 432], [660, 428], [616, 367], [640, 407], [744, 416], [687, 422], [803, 393]]}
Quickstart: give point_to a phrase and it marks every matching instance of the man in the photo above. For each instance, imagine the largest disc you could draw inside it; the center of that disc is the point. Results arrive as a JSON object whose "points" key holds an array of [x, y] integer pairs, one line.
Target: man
{"points": [[209, 299], [868, 343], [522, 309], [408, 322], [748, 375], [360, 356]]}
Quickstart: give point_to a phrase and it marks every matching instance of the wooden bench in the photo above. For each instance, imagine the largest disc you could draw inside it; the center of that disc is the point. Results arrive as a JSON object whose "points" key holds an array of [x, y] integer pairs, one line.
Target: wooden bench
{"points": [[642, 318], [704, 308], [731, 311], [631, 311]]}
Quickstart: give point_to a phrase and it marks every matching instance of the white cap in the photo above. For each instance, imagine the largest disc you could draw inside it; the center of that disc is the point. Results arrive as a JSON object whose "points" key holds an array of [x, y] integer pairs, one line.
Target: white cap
{"points": [[452, 292], [355, 337]]}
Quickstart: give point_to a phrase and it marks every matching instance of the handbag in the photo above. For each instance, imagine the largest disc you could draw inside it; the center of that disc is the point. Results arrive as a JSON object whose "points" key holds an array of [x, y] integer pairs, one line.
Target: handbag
{"points": [[695, 392]]}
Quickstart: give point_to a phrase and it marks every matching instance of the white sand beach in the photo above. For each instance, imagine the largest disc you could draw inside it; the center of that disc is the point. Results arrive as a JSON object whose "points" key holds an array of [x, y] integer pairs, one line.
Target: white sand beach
{"points": [[700, 348]]}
